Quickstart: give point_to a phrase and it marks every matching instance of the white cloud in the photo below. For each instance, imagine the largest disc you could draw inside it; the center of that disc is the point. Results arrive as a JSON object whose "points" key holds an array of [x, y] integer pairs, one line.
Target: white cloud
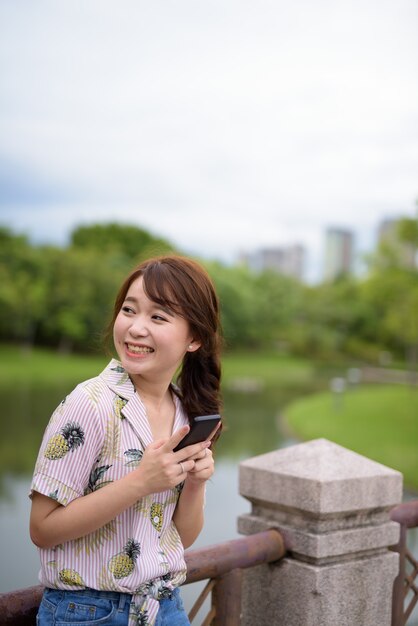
{"points": [[222, 125]]}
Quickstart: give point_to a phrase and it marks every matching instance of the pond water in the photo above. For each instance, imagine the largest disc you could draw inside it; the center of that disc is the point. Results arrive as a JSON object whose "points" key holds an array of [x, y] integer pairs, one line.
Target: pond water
{"points": [[252, 427]]}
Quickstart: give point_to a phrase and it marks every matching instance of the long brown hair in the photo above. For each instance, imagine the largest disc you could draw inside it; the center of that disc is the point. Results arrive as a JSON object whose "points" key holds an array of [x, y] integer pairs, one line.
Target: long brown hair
{"points": [[184, 286]]}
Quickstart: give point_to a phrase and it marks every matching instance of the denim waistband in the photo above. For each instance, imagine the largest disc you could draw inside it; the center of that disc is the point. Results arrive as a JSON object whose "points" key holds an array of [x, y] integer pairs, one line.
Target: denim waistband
{"points": [[94, 593]]}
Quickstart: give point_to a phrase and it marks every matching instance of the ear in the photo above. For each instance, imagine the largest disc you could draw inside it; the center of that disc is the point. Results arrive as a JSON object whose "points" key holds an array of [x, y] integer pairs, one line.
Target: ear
{"points": [[193, 346]]}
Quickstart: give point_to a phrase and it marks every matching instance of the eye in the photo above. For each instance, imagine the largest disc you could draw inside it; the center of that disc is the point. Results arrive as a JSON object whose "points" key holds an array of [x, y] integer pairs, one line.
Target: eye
{"points": [[159, 318], [127, 309]]}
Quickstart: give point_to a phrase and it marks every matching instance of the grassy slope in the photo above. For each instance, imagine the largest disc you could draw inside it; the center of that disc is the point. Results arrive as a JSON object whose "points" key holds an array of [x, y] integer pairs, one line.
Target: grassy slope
{"points": [[269, 368], [380, 422], [48, 366]]}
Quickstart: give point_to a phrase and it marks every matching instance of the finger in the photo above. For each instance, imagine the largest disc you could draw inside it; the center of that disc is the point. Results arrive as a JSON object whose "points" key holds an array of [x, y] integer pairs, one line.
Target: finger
{"points": [[199, 455], [158, 444], [186, 466], [203, 469], [202, 454], [176, 438], [189, 452], [216, 430], [204, 462]]}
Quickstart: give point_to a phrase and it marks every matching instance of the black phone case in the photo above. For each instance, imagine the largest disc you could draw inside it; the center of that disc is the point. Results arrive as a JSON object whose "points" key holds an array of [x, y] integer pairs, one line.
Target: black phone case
{"points": [[202, 427]]}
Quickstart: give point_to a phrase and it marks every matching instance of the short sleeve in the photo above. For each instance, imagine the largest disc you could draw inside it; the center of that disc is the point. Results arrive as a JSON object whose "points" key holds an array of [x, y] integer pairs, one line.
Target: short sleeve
{"points": [[71, 444]]}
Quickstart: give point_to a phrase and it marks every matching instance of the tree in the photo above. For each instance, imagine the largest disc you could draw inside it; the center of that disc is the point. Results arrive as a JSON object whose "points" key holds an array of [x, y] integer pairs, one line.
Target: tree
{"points": [[22, 272], [80, 290], [408, 231], [125, 242], [392, 286], [401, 320], [257, 309]]}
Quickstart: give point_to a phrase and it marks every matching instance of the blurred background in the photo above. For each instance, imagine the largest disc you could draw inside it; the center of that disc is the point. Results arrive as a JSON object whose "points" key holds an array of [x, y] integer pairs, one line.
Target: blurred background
{"points": [[277, 143]]}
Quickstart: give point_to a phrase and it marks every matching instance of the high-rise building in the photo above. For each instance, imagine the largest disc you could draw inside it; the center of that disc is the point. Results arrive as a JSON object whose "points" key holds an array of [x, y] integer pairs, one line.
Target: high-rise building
{"points": [[286, 260], [339, 252], [388, 234]]}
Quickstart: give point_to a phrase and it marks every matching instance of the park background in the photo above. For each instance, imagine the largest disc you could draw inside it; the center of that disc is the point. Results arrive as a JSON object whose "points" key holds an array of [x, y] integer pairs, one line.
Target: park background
{"points": [[215, 131], [297, 362]]}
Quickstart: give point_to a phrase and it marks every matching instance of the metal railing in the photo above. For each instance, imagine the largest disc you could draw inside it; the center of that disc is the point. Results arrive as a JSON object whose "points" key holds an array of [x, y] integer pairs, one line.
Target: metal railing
{"points": [[405, 589], [221, 564]]}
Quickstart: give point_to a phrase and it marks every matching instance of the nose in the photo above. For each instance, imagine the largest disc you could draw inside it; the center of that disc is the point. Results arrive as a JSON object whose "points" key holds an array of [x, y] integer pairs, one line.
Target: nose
{"points": [[139, 327]]}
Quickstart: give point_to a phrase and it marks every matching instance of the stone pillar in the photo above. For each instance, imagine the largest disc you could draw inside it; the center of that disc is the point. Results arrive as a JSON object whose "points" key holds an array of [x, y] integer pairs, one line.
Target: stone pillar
{"points": [[332, 506]]}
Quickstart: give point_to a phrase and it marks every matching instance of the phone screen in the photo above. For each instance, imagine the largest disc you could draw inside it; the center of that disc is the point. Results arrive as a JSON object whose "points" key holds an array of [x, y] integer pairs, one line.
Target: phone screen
{"points": [[201, 429]]}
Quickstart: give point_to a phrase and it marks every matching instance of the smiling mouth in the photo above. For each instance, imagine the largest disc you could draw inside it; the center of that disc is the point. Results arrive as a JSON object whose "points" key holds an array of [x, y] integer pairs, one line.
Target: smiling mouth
{"points": [[139, 349]]}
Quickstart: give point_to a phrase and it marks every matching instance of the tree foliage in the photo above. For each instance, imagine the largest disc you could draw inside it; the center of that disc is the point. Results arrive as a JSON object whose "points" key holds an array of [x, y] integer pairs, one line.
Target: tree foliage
{"points": [[63, 297], [129, 243]]}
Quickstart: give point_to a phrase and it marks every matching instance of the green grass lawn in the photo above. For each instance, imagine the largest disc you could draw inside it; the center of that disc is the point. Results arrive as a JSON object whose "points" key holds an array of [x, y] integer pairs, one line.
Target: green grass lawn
{"points": [[41, 378], [268, 368], [380, 422], [47, 366]]}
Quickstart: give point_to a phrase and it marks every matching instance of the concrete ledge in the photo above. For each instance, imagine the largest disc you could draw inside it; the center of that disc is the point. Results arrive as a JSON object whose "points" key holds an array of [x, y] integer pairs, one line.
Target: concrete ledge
{"points": [[357, 593], [320, 477], [332, 507], [324, 547]]}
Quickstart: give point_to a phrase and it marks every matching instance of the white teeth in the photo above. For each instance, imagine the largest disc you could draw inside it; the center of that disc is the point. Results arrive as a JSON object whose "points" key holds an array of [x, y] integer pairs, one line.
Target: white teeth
{"points": [[139, 349]]}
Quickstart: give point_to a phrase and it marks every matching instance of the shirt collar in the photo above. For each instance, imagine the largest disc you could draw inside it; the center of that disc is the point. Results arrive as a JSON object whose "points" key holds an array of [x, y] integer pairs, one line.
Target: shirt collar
{"points": [[118, 380]]}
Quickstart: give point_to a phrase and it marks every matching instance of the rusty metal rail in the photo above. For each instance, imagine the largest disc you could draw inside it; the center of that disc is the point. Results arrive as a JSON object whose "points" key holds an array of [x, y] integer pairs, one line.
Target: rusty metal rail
{"points": [[222, 564], [405, 588]]}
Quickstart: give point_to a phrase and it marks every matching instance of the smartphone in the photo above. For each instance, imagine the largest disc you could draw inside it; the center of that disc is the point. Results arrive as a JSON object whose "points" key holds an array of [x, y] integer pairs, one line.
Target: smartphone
{"points": [[202, 428]]}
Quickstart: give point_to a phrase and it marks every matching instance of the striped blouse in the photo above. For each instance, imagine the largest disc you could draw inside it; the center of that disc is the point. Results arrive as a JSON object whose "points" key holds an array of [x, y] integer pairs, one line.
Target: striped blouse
{"points": [[95, 436]]}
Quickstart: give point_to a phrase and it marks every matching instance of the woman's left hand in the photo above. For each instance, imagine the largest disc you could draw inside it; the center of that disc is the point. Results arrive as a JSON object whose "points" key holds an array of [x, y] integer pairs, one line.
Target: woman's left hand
{"points": [[204, 467]]}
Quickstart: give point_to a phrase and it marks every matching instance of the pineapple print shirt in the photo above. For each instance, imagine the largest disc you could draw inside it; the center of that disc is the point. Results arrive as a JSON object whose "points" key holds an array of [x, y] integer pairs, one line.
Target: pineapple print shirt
{"points": [[97, 435]]}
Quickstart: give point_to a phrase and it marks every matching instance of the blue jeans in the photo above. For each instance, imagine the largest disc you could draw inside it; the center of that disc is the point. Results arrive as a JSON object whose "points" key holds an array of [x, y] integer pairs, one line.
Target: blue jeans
{"points": [[89, 607], [172, 611]]}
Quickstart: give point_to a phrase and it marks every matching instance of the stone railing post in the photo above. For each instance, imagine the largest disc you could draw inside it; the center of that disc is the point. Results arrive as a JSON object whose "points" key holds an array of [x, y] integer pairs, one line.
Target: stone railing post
{"points": [[332, 506]]}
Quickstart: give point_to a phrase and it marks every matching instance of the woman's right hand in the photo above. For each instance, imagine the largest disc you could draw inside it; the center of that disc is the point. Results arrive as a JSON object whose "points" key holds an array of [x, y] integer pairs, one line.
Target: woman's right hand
{"points": [[161, 468]]}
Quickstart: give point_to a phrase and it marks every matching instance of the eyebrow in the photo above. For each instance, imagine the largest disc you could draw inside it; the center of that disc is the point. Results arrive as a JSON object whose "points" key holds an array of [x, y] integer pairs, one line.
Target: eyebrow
{"points": [[159, 306]]}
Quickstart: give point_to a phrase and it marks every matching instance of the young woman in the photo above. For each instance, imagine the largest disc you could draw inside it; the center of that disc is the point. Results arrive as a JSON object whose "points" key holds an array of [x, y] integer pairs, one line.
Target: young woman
{"points": [[113, 507]]}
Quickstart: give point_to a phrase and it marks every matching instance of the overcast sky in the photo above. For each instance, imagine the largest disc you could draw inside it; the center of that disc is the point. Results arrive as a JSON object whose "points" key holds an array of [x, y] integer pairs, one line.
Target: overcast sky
{"points": [[223, 125]]}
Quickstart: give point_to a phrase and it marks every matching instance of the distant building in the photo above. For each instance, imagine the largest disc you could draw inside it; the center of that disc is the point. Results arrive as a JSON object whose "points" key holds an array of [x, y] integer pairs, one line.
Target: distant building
{"points": [[286, 260], [388, 234], [339, 253]]}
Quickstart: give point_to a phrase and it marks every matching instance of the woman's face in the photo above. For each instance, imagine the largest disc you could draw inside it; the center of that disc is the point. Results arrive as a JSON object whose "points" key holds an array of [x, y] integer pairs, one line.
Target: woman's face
{"points": [[150, 340]]}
